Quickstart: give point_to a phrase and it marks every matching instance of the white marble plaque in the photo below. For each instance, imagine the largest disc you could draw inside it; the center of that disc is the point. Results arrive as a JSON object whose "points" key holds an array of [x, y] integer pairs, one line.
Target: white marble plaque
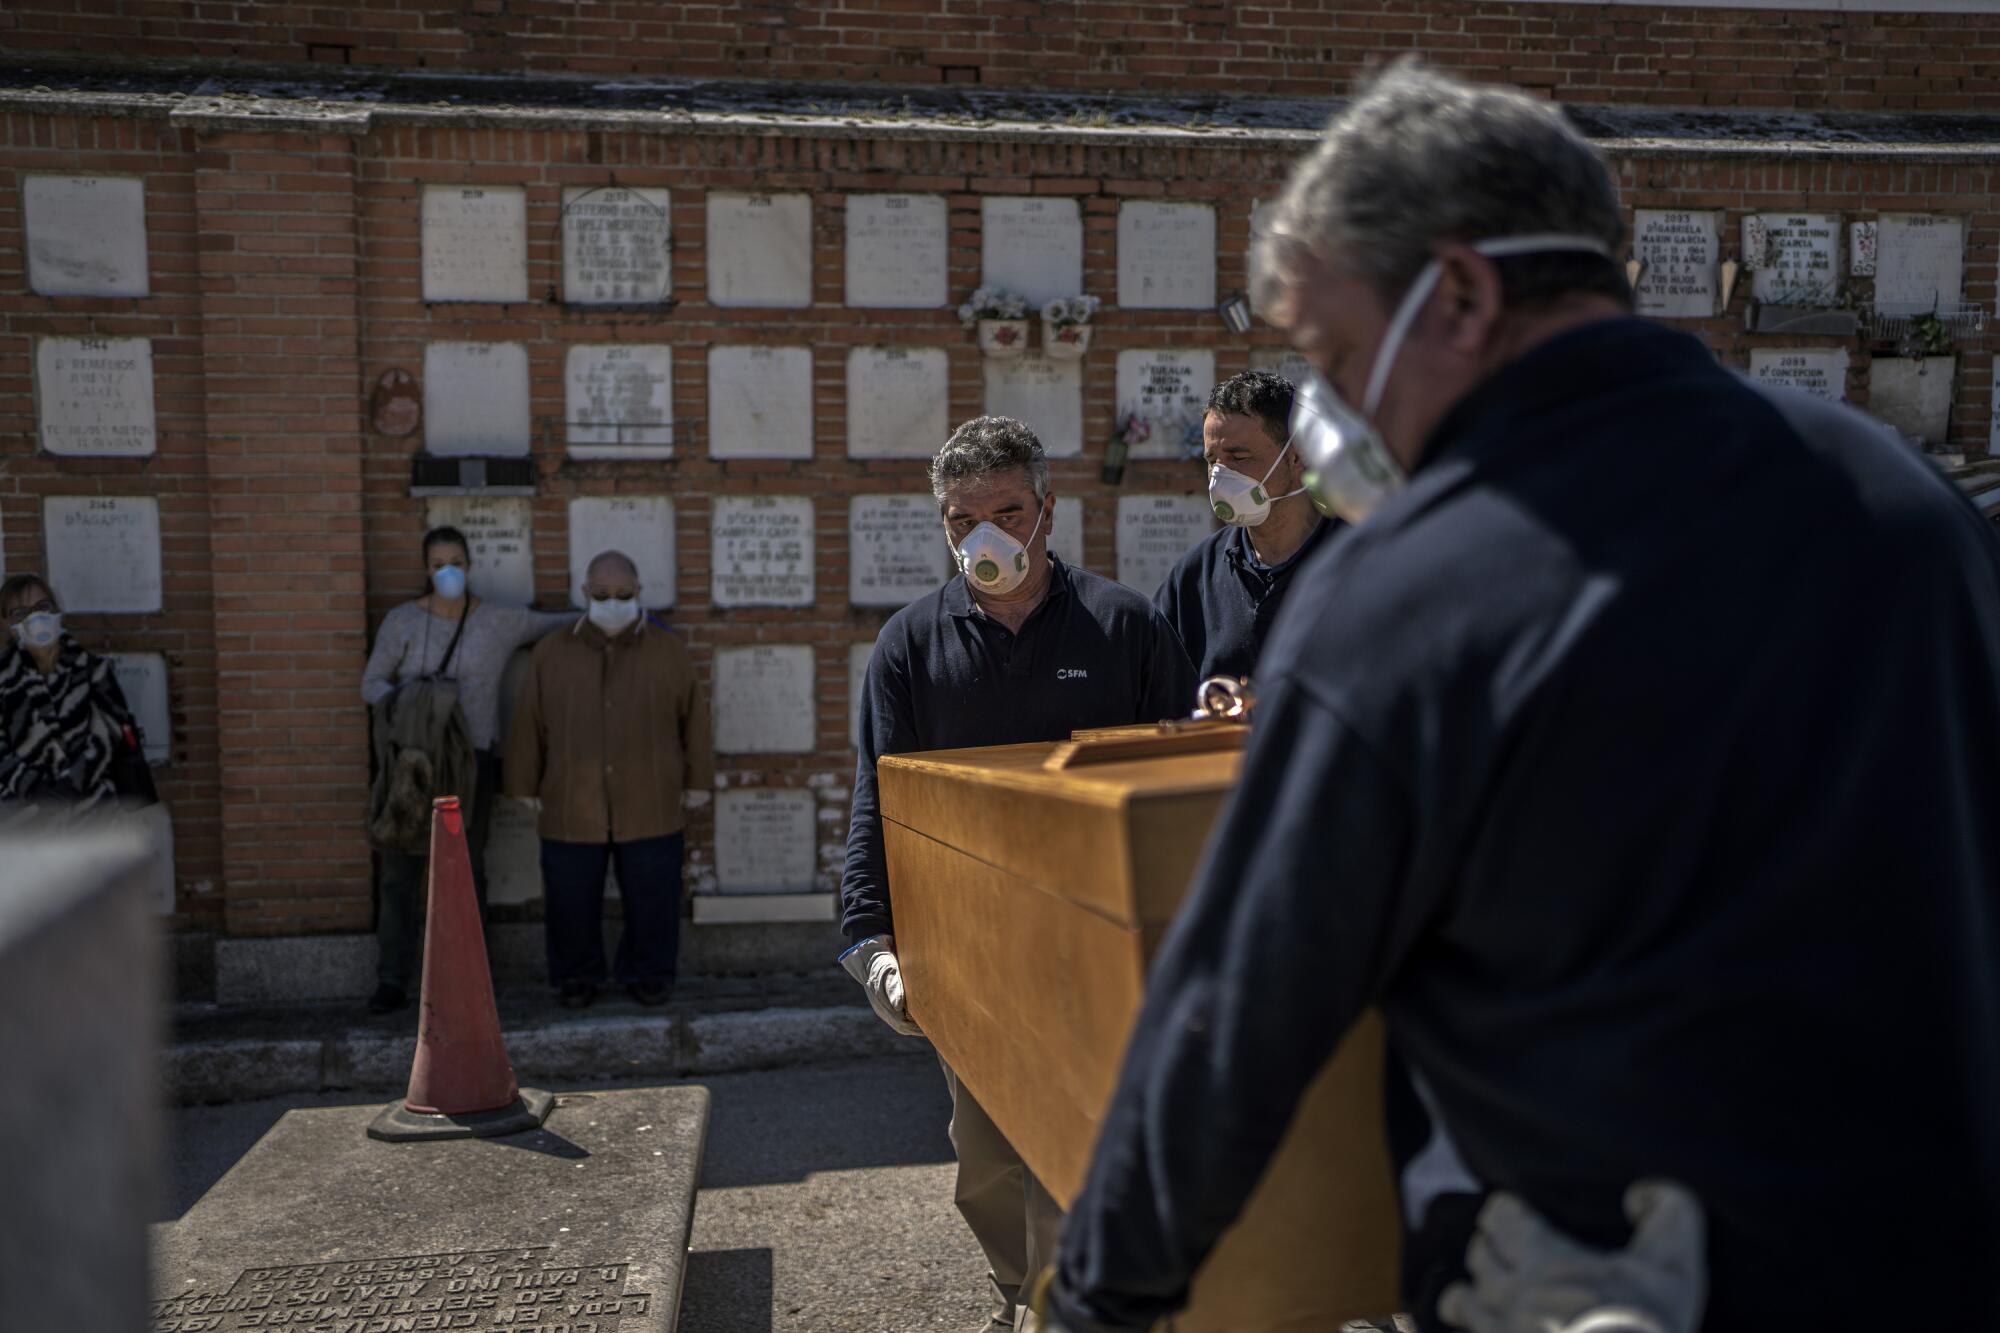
{"points": [[857, 680], [1914, 395], [1820, 371], [142, 678], [476, 398], [503, 552], [94, 396], [898, 401], [760, 402], [765, 840], [1168, 389], [1066, 531], [1032, 247], [1287, 363], [86, 235], [475, 242], [1800, 263], [897, 247], [1154, 531], [617, 247], [1046, 395], [763, 550], [642, 526], [1682, 252], [896, 549], [619, 400], [1166, 256], [760, 250], [103, 551], [764, 700], [1919, 263]]}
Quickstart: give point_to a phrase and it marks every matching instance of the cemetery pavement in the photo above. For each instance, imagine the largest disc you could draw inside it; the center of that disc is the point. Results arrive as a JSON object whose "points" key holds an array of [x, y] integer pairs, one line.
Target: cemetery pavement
{"points": [[825, 1199]]}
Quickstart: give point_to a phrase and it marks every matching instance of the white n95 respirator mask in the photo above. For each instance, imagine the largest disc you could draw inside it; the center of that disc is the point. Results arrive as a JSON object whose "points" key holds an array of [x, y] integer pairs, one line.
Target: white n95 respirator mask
{"points": [[993, 561]]}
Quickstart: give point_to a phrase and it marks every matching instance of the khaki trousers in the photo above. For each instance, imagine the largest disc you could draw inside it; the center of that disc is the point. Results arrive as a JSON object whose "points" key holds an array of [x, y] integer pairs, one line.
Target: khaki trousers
{"points": [[1013, 1218]]}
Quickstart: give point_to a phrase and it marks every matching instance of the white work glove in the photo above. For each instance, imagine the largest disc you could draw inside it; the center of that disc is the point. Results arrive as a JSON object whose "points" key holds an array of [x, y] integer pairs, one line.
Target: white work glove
{"points": [[873, 963], [534, 803], [1528, 1277]]}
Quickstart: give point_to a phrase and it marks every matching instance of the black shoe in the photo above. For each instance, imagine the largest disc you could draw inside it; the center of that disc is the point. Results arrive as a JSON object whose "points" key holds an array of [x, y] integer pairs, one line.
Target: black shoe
{"points": [[387, 999], [576, 995], [650, 992]]}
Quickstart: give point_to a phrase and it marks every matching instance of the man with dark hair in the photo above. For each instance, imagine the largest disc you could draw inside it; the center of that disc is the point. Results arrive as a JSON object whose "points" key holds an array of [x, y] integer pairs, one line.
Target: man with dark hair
{"points": [[1222, 596], [1017, 647]]}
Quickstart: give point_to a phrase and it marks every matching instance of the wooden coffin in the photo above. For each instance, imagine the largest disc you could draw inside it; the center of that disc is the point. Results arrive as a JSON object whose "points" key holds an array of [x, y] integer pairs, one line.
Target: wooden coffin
{"points": [[1028, 901]]}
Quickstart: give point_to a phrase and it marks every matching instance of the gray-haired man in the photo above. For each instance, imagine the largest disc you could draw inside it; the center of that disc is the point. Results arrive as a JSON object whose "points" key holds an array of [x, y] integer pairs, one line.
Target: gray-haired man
{"points": [[1016, 647]]}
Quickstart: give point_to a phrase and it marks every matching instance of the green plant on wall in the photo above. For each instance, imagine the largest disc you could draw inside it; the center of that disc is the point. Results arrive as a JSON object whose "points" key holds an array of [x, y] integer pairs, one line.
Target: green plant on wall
{"points": [[1931, 334]]}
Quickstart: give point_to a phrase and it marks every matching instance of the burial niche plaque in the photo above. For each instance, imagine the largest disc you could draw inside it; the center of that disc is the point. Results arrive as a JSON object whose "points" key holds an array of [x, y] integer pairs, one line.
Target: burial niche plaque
{"points": [[1919, 263], [1066, 540], [642, 526], [1796, 255], [1154, 531], [1168, 389], [1682, 253], [896, 251], [760, 402], [1820, 371], [896, 549], [94, 397], [760, 250], [898, 401], [475, 242], [1032, 247], [764, 700], [1046, 395], [765, 840], [763, 550], [1914, 395], [142, 678], [103, 551], [86, 235], [503, 555], [476, 398], [619, 400], [617, 246], [1166, 256], [1288, 364]]}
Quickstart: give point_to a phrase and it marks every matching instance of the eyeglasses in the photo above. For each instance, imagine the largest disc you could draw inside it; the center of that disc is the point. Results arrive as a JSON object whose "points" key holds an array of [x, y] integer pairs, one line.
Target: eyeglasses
{"points": [[21, 613]]}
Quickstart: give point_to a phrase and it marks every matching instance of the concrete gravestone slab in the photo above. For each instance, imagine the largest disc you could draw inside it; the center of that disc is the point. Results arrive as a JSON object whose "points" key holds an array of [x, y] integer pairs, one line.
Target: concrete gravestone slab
{"points": [[1919, 263], [619, 400], [898, 401], [760, 250], [1154, 531], [642, 526], [582, 1226], [896, 251], [1800, 257], [764, 700], [1166, 256], [763, 551], [1682, 252], [94, 396], [617, 246], [1032, 247], [760, 402], [503, 552], [142, 678], [765, 840], [1066, 536], [1168, 389], [475, 242], [1914, 395], [103, 551], [896, 549], [86, 235], [1820, 371], [1046, 395], [476, 398], [1287, 363]]}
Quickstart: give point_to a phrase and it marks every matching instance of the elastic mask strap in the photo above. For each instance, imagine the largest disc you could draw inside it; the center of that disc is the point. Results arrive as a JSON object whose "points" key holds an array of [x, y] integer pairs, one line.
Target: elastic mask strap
{"points": [[1290, 436]]}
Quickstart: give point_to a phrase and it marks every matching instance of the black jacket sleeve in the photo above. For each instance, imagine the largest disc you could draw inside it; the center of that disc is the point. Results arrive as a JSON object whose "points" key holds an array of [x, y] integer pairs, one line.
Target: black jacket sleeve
{"points": [[888, 726], [1168, 674], [1296, 920]]}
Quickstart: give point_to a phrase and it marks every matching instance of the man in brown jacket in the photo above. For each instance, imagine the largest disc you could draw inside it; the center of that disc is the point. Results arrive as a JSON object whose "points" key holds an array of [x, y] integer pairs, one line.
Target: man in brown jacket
{"points": [[609, 741]]}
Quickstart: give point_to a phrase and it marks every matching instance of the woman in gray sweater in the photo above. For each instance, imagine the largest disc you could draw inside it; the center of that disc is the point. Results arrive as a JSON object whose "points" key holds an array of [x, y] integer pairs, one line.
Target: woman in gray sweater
{"points": [[411, 645]]}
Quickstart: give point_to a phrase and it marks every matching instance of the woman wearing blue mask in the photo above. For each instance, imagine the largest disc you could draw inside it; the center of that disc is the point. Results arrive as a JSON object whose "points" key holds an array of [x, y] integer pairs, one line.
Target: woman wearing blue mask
{"points": [[446, 635]]}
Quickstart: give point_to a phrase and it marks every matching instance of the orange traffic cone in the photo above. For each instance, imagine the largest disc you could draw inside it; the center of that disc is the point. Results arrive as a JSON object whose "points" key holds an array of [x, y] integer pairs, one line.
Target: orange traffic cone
{"points": [[461, 1083]]}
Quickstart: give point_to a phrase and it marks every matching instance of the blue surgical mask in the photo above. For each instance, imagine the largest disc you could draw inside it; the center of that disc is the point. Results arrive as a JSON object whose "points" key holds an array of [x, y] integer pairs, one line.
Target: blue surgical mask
{"points": [[448, 581]]}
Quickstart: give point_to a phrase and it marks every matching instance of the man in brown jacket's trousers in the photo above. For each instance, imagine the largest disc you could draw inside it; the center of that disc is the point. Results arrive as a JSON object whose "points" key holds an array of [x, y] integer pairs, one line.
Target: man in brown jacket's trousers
{"points": [[609, 742]]}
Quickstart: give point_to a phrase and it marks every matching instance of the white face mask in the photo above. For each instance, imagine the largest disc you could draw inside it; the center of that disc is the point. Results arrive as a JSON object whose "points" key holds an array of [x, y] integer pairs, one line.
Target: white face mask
{"points": [[39, 630], [993, 561], [1237, 499], [1350, 469], [612, 615]]}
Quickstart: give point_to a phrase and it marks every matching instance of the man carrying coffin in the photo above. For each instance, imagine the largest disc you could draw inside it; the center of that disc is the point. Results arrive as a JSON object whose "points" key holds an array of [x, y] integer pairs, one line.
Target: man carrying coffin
{"points": [[1016, 647]]}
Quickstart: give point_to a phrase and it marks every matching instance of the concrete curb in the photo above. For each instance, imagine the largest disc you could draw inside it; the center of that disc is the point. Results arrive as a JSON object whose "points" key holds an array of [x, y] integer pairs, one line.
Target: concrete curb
{"points": [[615, 1046]]}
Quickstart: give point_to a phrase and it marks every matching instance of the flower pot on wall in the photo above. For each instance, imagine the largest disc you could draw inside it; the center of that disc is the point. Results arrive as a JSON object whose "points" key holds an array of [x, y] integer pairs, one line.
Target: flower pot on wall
{"points": [[1003, 337], [1065, 342]]}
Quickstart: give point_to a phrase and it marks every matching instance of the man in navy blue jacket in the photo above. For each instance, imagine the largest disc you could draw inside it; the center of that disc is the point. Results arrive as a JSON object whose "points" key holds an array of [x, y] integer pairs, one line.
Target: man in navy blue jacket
{"points": [[1646, 780], [1016, 647]]}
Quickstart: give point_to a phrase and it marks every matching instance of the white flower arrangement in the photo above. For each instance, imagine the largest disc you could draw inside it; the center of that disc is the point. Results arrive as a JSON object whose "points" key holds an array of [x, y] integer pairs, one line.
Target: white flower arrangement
{"points": [[1063, 312], [992, 303]]}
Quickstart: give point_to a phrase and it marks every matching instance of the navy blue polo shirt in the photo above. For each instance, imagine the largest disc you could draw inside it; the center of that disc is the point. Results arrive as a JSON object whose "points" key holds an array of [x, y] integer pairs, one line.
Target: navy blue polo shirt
{"points": [[945, 674], [1221, 600]]}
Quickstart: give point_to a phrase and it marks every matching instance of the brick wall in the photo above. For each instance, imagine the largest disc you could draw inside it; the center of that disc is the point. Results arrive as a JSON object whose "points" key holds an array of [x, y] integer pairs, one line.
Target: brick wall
{"points": [[1812, 58], [286, 277]]}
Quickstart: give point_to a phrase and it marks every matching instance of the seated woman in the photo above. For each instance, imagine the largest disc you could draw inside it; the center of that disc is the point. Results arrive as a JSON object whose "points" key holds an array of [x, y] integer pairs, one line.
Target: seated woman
{"points": [[63, 719]]}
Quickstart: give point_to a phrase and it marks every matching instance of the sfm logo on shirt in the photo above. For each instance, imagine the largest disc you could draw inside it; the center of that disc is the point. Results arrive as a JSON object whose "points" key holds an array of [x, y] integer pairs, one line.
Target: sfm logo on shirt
{"points": [[1072, 673]]}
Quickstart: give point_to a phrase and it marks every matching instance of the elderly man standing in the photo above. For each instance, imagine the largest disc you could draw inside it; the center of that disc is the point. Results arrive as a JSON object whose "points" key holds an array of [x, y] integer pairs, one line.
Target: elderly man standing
{"points": [[610, 740], [1016, 647]]}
